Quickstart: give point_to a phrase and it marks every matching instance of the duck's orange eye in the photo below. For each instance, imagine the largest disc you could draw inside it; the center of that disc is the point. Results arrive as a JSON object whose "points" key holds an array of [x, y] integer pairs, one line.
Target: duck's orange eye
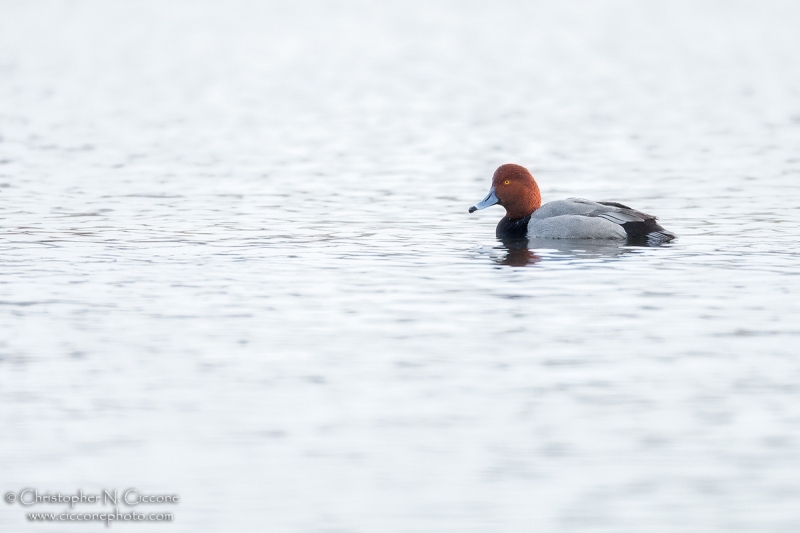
{"points": [[506, 182]]}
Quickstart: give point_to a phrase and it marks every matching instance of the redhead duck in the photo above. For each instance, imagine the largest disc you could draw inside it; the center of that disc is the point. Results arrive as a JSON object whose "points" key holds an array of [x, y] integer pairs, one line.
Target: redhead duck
{"points": [[514, 188]]}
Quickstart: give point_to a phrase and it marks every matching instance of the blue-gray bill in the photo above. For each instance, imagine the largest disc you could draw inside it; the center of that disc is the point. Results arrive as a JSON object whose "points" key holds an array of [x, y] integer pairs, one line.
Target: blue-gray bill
{"points": [[490, 199]]}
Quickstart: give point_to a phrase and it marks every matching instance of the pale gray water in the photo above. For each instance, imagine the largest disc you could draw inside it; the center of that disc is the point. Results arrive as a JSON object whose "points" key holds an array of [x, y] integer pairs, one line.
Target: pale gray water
{"points": [[237, 264]]}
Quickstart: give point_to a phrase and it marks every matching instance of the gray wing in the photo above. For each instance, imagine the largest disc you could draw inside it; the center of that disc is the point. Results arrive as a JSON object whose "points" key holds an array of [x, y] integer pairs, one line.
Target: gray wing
{"points": [[621, 214], [579, 206], [640, 227]]}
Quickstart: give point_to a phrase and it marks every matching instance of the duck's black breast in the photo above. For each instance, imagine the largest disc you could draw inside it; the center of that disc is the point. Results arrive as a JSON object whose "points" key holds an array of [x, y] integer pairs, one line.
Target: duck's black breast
{"points": [[512, 228]]}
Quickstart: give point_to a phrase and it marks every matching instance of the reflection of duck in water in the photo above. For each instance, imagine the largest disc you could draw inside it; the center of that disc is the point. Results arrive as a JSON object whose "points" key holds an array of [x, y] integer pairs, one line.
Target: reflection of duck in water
{"points": [[523, 252], [517, 253], [514, 188]]}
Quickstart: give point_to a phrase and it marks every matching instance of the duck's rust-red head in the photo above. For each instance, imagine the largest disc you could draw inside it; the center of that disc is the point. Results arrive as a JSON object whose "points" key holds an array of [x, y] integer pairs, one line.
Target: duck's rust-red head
{"points": [[514, 188]]}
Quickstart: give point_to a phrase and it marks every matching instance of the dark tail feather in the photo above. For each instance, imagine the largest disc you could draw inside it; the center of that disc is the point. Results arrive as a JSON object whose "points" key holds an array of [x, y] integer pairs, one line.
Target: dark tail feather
{"points": [[647, 233], [657, 238]]}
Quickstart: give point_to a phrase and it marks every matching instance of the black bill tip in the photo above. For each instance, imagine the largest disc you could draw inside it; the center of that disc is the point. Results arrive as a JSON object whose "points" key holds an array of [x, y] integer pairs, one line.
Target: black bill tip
{"points": [[473, 209]]}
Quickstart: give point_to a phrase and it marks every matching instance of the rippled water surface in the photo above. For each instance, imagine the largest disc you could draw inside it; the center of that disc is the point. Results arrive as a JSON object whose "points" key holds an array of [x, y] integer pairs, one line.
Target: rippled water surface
{"points": [[237, 264]]}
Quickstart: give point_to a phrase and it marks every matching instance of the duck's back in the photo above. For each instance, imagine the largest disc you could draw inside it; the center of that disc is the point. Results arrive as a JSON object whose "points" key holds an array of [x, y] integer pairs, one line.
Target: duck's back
{"points": [[576, 218]]}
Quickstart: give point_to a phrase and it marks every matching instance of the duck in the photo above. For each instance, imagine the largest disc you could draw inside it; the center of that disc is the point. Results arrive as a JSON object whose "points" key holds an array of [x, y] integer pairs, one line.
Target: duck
{"points": [[515, 189]]}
